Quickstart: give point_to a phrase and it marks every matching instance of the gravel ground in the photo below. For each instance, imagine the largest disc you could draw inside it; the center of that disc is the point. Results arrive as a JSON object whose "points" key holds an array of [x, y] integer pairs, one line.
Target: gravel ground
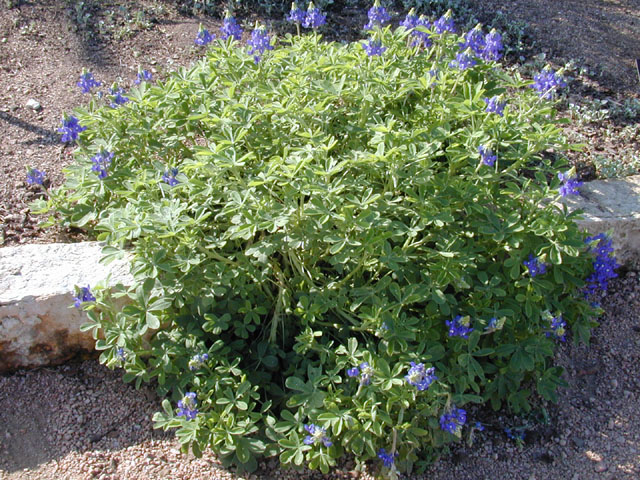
{"points": [[79, 421]]}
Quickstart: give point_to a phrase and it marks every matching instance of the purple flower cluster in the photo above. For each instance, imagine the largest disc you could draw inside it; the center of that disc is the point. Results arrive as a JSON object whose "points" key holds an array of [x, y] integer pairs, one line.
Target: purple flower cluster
{"points": [[101, 162], [486, 156], [70, 129], [494, 105], [420, 377], [118, 97], [463, 60], [316, 435], [514, 434], [314, 18], [169, 177], [487, 46], [121, 355], [569, 185], [387, 458], [35, 176], [378, 16], [604, 264], [230, 28], [296, 15], [373, 48], [535, 266], [558, 329], [143, 76], [546, 82], [259, 42], [204, 37], [84, 295], [459, 326], [365, 372], [187, 406], [87, 82], [412, 22], [445, 24], [198, 361], [453, 421]]}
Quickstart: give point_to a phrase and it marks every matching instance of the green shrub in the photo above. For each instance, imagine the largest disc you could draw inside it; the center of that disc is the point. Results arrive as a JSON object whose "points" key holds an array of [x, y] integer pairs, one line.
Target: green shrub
{"points": [[330, 209]]}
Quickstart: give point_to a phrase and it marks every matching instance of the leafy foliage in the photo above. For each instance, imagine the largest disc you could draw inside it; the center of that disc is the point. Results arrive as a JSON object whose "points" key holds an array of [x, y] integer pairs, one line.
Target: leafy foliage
{"points": [[329, 210]]}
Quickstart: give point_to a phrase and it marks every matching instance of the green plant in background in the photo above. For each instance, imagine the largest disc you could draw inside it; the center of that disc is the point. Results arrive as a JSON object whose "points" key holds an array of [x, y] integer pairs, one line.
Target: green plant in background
{"points": [[336, 247]]}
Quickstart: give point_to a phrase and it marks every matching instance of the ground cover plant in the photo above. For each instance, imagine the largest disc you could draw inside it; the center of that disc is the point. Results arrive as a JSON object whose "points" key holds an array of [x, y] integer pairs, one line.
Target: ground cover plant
{"points": [[336, 247]]}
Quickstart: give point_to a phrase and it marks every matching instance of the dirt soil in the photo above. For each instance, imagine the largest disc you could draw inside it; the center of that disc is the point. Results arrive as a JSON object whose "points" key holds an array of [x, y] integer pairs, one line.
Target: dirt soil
{"points": [[80, 422]]}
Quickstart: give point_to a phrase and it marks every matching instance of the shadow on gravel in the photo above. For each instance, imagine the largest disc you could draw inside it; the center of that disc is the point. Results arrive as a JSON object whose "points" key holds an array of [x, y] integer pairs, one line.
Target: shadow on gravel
{"points": [[46, 136]]}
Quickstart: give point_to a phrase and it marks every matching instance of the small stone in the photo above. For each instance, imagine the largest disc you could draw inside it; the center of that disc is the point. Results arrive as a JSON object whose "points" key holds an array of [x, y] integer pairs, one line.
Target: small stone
{"points": [[600, 467], [34, 105], [614, 383]]}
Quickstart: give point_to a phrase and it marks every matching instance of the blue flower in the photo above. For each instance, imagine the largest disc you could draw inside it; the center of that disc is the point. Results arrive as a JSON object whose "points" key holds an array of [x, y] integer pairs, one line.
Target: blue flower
{"points": [[492, 46], [70, 129], [143, 76], [459, 326], [546, 82], [170, 177], [204, 37], [87, 82], [259, 42], [479, 426], [410, 22], [474, 39], [316, 435], [604, 264], [121, 354], [463, 61], [569, 184], [535, 266], [353, 372], [35, 176], [101, 162], [314, 18], [486, 156], [118, 97], [296, 15], [378, 16], [84, 295], [453, 421], [230, 28], [387, 458], [513, 434], [198, 361], [420, 38], [187, 406], [445, 24], [420, 377], [373, 47], [494, 105], [558, 329]]}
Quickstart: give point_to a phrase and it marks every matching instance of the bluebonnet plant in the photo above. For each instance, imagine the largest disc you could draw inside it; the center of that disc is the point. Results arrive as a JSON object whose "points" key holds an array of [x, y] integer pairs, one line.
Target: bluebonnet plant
{"points": [[70, 129], [604, 263], [365, 372], [474, 40], [420, 377], [121, 355], [492, 46], [535, 266], [494, 105], [84, 295], [187, 406], [387, 458], [463, 60], [486, 156], [259, 42], [558, 329], [514, 434], [373, 47], [546, 82], [411, 20], [314, 17], [459, 326], [230, 28], [316, 435], [87, 82], [118, 97], [421, 38], [169, 177], [569, 184], [378, 16], [143, 76], [479, 426], [445, 24], [453, 421], [35, 176], [296, 15], [101, 162], [204, 37], [197, 361]]}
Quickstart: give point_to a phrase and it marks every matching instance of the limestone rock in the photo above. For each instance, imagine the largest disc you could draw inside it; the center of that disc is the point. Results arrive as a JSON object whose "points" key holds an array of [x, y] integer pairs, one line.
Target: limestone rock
{"points": [[38, 325], [612, 204]]}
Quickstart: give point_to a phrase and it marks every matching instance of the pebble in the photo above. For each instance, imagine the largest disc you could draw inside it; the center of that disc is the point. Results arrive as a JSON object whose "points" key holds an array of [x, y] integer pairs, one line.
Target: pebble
{"points": [[600, 467], [34, 105]]}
